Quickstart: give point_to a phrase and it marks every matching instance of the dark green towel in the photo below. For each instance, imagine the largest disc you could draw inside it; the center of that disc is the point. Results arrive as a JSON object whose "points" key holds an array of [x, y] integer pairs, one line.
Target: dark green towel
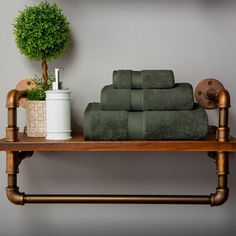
{"points": [[178, 98], [143, 79], [146, 125]]}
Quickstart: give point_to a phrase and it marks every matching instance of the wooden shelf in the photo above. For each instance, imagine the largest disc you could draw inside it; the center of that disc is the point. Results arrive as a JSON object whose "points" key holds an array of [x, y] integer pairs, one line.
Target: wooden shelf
{"points": [[77, 143]]}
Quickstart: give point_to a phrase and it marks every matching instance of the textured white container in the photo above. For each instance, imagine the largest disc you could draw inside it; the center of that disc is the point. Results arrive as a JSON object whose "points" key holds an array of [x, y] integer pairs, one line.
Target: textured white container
{"points": [[35, 119], [58, 115]]}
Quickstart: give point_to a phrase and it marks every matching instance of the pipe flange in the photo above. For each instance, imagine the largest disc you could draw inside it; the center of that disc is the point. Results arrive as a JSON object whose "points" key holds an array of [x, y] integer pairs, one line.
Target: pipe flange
{"points": [[23, 85], [201, 92]]}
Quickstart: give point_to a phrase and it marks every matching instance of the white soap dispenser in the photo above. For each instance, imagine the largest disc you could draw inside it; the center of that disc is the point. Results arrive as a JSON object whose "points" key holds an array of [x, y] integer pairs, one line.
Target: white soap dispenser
{"points": [[58, 111]]}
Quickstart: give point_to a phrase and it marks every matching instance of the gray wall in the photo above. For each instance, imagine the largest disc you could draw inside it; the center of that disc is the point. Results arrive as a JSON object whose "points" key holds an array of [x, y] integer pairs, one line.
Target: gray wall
{"points": [[196, 39]]}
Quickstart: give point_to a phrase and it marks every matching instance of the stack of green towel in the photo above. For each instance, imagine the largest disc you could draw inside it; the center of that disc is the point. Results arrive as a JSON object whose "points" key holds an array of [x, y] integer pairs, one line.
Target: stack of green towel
{"points": [[145, 105]]}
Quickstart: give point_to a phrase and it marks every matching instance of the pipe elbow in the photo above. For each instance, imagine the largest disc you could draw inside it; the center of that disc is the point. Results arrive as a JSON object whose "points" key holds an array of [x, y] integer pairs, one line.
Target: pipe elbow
{"points": [[15, 196], [219, 197], [13, 97], [224, 99]]}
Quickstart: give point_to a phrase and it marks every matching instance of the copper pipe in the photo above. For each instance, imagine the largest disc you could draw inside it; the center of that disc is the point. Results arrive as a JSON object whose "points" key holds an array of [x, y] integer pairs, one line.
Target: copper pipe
{"points": [[215, 199], [15, 196], [12, 190], [12, 131], [19, 198], [12, 163], [146, 199], [222, 98], [223, 102], [13, 97], [222, 191]]}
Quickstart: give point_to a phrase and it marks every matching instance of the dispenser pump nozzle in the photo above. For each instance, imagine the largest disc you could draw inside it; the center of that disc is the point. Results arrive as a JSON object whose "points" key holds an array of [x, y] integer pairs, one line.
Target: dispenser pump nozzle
{"points": [[57, 85]]}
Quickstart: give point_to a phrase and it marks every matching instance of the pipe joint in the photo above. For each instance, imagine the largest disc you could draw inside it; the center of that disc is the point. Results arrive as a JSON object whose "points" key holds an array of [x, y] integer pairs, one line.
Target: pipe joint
{"points": [[12, 134], [219, 197], [223, 98], [222, 134], [13, 97], [15, 196]]}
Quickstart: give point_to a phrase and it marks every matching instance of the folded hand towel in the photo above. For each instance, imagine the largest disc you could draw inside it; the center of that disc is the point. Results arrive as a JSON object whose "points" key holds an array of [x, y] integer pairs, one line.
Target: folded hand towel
{"points": [[146, 125], [178, 98], [143, 79]]}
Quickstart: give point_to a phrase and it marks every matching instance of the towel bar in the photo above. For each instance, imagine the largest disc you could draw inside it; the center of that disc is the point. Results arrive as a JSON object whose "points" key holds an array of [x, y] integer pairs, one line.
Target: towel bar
{"points": [[209, 93]]}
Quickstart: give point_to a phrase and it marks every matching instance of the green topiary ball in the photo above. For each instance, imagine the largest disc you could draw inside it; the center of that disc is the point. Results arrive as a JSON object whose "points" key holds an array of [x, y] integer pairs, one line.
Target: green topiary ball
{"points": [[42, 32]]}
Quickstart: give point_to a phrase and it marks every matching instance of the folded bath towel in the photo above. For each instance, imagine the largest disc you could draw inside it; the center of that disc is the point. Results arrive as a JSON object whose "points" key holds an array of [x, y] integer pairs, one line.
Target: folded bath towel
{"points": [[143, 79], [146, 125], [178, 98]]}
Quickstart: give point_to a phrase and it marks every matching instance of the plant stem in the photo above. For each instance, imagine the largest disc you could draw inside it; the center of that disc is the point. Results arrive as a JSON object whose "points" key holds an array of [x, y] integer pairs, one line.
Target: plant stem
{"points": [[45, 73]]}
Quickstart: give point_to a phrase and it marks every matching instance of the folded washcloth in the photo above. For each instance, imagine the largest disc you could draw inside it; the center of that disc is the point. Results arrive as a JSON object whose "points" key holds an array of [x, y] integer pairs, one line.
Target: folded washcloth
{"points": [[179, 97], [143, 79], [146, 125]]}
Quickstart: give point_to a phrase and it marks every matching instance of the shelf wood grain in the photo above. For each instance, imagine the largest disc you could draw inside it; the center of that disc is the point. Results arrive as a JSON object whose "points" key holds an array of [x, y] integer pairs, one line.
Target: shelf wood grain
{"points": [[77, 143]]}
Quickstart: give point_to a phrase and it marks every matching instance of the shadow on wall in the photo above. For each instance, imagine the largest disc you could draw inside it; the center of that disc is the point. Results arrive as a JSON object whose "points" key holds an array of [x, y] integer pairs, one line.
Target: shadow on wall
{"points": [[156, 173], [76, 124]]}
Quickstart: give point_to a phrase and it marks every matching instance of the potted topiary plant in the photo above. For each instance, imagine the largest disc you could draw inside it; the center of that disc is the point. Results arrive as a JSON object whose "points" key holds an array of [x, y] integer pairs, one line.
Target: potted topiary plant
{"points": [[42, 33]]}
